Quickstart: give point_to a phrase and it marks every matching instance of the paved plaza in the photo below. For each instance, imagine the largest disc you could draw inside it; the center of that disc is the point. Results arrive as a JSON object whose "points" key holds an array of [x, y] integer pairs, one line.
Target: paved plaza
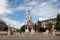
{"points": [[29, 38]]}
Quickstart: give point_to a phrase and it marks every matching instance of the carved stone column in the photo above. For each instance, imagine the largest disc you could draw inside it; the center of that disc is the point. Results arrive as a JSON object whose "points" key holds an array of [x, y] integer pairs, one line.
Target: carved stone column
{"points": [[53, 31], [9, 31]]}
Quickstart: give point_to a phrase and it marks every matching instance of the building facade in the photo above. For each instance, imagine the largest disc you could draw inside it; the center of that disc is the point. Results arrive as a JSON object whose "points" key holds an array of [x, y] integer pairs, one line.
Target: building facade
{"points": [[44, 23]]}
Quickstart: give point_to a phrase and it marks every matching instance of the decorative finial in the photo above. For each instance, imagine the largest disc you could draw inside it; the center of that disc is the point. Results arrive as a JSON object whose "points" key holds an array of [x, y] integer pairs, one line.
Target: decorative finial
{"points": [[28, 12]]}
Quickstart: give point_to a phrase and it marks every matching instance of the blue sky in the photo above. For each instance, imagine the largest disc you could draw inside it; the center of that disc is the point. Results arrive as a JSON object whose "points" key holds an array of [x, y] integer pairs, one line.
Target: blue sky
{"points": [[14, 12]]}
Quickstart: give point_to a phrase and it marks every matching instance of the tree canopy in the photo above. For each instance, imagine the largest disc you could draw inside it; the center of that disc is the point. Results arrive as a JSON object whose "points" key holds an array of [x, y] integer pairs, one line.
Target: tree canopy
{"points": [[3, 26], [58, 22], [49, 25], [22, 29]]}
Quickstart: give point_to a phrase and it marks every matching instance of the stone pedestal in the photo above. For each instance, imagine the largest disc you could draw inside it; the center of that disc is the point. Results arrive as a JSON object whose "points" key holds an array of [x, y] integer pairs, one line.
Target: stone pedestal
{"points": [[9, 31], [53, 30], [32, 32], [54, 33], [26, 31], [47, 33]]}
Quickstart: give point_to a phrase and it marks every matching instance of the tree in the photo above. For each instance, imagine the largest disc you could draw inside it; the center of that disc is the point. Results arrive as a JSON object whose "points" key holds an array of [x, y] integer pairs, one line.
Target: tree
{"points": [[49, 25], [22, 29], [39, 23], [37, 26], [3, 26], [18, 30], [58, 22]]}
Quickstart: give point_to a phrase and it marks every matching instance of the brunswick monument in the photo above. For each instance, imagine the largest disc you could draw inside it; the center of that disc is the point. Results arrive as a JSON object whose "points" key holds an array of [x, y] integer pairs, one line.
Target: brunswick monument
{"points": [[29, 24]]}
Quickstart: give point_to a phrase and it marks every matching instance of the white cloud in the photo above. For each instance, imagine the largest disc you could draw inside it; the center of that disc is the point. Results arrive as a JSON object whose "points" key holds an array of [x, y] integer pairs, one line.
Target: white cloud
{"points": [[31, 3], [44, 9], [3, 11], [41, 19], [3, 8], [53, 0], [13, 23]]}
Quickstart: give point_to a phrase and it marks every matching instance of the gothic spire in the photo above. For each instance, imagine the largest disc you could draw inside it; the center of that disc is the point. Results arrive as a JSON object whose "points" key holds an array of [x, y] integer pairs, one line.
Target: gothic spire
{"points": [[29, 17], [28, 12]]}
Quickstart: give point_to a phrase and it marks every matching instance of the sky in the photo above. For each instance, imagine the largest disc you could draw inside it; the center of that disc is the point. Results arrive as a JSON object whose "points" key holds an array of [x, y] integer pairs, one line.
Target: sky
{"points": [[14, 12]]}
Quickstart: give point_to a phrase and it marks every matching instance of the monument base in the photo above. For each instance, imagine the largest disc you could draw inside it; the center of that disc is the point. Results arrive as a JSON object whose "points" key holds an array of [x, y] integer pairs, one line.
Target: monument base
{"points": [[26, 31], [32, 32]]}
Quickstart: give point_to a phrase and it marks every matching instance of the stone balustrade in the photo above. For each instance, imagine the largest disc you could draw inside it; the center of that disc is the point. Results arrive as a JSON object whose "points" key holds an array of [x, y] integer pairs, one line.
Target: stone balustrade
{"points": [[3, 32]]}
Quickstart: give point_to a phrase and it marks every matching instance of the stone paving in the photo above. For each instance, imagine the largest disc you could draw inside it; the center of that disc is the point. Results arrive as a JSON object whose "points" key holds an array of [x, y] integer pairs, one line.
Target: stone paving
{"points": [[29, 38]]}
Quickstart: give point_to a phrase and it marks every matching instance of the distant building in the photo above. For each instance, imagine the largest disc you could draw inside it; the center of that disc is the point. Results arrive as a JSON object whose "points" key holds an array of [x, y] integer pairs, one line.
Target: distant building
{"points": [[12, 28], [44, 23]]}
